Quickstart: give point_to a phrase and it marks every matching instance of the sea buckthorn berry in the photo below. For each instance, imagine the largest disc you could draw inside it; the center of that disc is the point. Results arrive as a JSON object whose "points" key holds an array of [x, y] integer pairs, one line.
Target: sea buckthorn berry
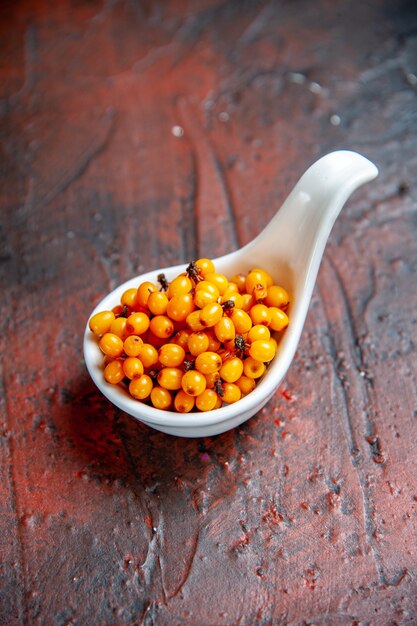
{"points": [[129, 297], [118, 327], [231, 393], [143, 292], [208, 362], [193, 383], [133, 345], [246, 384], [206, 266], [210, 315], [132, 367], [100, 322], [214, 343], [219, 280], [137, 323], [240, 281], [206, 401], [231, 370], [171, 355], [219, 402], [181, 338], [204, 285], [201, 298], [232, 296], [156, 342], [276, 296], [241, 320], [198, 343], [258, 332], [161, 398], [262, 350], [148, 355], [224, 329], [260, 314], [170, 378], [253, 368], [113, 372], [247, 301], [140, 388], [162, 326], [111, 345], [157, 303], [179, 307], [255, 278], [279, 319], [193, 321], [259, 292], [180, 286], [232, 287], [183, 402]]}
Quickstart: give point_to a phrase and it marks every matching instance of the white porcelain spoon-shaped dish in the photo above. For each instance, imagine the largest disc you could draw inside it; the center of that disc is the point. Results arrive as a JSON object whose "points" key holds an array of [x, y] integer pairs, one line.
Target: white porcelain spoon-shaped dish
{"points": [[290, 248]]}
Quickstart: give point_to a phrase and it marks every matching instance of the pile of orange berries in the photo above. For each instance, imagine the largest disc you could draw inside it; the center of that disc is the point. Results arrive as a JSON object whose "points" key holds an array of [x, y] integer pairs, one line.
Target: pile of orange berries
{"points": [[194, 343]]}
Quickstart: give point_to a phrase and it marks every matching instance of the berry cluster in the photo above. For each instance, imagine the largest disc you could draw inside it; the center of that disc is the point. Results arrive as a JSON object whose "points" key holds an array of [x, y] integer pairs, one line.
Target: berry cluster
{"points": [[196, 342]]}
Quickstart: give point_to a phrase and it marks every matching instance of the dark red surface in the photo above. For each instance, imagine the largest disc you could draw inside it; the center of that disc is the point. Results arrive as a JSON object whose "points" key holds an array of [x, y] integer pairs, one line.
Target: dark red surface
{"points": [[307, 513]]}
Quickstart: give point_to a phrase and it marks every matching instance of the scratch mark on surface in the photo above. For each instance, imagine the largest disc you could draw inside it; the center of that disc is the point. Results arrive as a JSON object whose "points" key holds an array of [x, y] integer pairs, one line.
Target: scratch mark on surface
{"points": [[188, 567]]}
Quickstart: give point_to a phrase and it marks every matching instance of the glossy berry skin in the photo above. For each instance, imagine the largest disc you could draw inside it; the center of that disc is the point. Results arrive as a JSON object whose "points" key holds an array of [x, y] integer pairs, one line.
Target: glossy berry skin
{"points": [[207, 400], [132, 367], [148, 355], [118, 327], [183, 402], [279, 319], [258, 332], [208, 287], [158, 303], [137, 323], [180, 286], [246, 384], [181, 338], [231, 393], [276, 296], [231, 370], [206, 266], [100, 322], [143, 292], [171, 355], [162, 326], [232, 296], [211, 314], [111, 345], [241, 320], [129, 297], [208, 362], [113, 372], [214, 343], [219, 280], [161, 398], [253, 368], [193, 321], [179, 307], [141, 387], [193, 383], [198, 343], [240, 281], [257, 277], [262, 350], [202, 298], [170, 378], [260, 314], [224, 330], [133, 345], [247, 302]]}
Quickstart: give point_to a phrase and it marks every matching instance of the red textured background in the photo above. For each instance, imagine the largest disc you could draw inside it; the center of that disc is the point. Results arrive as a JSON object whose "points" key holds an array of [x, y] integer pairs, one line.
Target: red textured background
{"points": [[307, 513]]}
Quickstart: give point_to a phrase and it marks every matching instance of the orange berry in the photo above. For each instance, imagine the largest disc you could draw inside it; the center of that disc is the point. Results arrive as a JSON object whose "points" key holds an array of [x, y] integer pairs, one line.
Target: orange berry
{"points": [[111, 345], [253, 368], [219, 280], [214, 343], [143, 292], [141, 387], [193, 383], [100, 322], [206, 266], [246, 384], [170, 378], [198, 343], [258, 332], [211, 379], [262, 350], [260, 314], [161, 398], [137, 323], [231, 370], [148, 355], [201, 298], [133, 345], [232, 296], [193, 321], [210, 315], [208, 362], [247, 302], [129, 297], [231, 393], [171, 355], [183, 402], [132, 367], [279, 319], [180, 286], [162, 326], [157, 303], [257, 277], [205, 285], [179, 307], [118, 327], [113, 372], [206, 401], [225, 329], [181, 338], [276, 296], [240, 281], [241, 320]]}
